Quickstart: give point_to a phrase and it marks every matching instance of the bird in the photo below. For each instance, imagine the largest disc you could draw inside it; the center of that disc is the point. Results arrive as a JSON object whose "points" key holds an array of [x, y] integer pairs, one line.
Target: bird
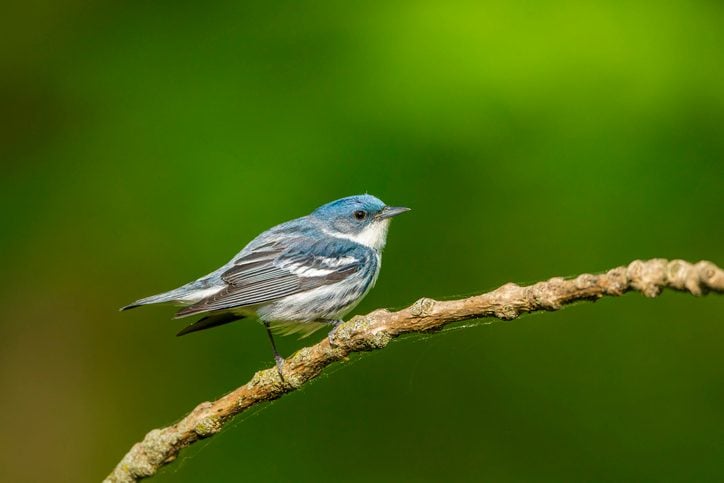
{"points": [[296, 277]]}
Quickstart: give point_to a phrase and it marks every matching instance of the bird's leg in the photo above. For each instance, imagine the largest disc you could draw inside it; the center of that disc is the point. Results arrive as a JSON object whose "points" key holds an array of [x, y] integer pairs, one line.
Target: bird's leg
{"points": [[279, 360], [330, 336]]}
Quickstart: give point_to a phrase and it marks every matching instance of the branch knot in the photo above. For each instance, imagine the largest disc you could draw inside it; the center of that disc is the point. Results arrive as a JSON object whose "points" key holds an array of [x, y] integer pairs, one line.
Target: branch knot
{"points": [[422, 307]]}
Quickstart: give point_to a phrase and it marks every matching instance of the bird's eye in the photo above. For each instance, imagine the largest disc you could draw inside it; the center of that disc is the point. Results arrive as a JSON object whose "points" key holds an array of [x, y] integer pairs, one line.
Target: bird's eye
{"points": [[360, 215]]}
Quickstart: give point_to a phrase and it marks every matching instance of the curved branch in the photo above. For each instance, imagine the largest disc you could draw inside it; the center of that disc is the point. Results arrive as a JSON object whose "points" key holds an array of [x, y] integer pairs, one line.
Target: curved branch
{"points": [[375, 330]]}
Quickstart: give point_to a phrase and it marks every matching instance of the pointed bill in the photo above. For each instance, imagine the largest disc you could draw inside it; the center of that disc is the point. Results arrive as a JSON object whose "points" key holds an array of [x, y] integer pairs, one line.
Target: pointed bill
{"points": [[390, 211]]}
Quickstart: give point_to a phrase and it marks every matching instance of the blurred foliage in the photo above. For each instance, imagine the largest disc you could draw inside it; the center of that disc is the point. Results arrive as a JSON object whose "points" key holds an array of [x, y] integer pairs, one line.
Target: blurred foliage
{"points": [[144, 143]]}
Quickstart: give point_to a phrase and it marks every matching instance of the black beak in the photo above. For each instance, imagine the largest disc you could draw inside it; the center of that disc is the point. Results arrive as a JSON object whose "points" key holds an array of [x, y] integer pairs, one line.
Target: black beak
{"points": [[390, 211]]}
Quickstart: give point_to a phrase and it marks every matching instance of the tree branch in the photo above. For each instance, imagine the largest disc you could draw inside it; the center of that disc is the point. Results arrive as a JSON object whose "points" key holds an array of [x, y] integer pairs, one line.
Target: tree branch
{"points": [[375, 330]]}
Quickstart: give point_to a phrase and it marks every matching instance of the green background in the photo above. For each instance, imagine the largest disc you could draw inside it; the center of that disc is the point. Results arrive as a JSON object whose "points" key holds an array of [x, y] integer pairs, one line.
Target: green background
{"points": [[144, 143]]}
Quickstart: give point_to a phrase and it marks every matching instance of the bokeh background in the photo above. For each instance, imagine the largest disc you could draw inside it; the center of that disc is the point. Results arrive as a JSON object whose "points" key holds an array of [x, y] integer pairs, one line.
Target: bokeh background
{"points": [[144, 143]]}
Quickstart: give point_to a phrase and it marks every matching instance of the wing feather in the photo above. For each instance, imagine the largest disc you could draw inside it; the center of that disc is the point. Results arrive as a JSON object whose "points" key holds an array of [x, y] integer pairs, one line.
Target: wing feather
{"points": [[275, 270]]}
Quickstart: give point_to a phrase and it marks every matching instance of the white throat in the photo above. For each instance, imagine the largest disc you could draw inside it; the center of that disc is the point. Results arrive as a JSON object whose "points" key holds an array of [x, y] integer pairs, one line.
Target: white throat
{"points": [[373, 236]]}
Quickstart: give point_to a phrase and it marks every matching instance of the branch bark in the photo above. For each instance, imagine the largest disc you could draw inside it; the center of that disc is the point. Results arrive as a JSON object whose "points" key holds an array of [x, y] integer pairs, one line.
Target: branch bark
{"points": [[376, 329]]}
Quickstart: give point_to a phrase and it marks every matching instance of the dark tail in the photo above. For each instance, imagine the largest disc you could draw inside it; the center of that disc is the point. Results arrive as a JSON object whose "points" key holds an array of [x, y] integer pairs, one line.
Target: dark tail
{"points": [[210, 321]]}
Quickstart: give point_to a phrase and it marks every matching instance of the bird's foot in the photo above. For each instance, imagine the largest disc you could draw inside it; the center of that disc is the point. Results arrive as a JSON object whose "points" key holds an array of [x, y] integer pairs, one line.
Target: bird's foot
{"points": [[279, 360], [333, 332]]}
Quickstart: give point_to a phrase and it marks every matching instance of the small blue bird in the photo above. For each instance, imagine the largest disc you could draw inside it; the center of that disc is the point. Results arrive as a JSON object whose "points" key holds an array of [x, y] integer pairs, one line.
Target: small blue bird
{"points": [[296, 277]]}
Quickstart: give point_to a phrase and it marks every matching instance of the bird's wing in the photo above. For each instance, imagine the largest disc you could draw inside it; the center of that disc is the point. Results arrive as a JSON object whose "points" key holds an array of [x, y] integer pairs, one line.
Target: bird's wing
{"points": [[279, 268]]}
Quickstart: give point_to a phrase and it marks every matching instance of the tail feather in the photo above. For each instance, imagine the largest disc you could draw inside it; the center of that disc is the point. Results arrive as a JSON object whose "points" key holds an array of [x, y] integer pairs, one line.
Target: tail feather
{"points": [[153, 299], [210, 321], [130, 306], [189, 294], [190, 310]]}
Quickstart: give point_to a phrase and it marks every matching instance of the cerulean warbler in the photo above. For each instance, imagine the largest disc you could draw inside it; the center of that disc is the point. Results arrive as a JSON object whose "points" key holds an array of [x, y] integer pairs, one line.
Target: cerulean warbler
{"points": [[296, 277]]}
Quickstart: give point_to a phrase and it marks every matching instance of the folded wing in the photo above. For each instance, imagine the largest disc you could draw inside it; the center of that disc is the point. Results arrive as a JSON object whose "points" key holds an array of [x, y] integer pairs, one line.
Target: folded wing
{"points": [[277, 269]]}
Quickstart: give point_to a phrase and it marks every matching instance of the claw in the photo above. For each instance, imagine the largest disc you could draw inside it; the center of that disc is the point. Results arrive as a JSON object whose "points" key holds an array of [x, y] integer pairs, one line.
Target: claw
{"points": [[330, 336], [279, 360]]}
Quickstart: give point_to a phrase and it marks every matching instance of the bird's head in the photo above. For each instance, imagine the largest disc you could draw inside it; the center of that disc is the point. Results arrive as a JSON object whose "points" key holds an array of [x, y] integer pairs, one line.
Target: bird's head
{"points": [[362, 218]]}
